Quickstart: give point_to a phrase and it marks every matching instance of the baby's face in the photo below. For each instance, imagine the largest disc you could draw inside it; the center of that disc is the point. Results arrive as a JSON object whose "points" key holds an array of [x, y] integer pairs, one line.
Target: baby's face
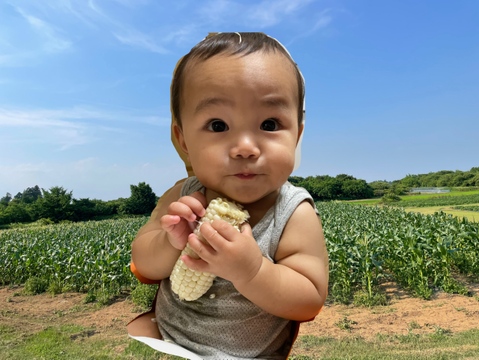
{"points": [[240, 125]]}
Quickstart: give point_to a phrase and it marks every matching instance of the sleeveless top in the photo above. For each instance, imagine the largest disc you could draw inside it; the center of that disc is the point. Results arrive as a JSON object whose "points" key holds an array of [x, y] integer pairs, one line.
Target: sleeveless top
{"points": [[223, 324]]}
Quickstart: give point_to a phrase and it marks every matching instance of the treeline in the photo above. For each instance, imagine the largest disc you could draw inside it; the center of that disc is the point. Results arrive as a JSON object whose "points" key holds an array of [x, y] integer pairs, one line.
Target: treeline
{"points": [[347, 187], [390, 190], [341, 187], [57, 204], [444, 178]]}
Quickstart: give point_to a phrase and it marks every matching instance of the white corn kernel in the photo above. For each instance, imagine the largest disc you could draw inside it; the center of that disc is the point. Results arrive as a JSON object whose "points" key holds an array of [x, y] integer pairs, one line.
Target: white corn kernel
{"points": [[189, 284]]}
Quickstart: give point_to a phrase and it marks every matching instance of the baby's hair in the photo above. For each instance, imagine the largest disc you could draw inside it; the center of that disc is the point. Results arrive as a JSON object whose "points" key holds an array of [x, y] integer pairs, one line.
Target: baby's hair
{"points": [[233, 43]]}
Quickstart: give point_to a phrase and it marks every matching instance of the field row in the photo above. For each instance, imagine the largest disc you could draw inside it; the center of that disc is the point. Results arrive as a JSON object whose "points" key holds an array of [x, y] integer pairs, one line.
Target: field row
{"points": [[439, 200], [467, 207]]}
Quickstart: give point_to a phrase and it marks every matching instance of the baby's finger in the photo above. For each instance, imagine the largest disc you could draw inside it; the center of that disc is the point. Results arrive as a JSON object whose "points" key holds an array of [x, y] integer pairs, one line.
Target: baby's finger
{"points": [[246, 229], [217, 235], [225, 229], [195, 264], [195, 202], [202, 199], [182, 210], [168, 222], [202, 249]]}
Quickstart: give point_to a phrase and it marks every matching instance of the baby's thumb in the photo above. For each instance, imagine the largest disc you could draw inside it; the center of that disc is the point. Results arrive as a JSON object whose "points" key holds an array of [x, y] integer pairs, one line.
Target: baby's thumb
{"points": [[246, 229]]}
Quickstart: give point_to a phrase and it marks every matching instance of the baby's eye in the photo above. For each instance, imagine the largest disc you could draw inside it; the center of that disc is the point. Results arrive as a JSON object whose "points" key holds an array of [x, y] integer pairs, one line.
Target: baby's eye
{"points": [[270, 125], [217, 126]]}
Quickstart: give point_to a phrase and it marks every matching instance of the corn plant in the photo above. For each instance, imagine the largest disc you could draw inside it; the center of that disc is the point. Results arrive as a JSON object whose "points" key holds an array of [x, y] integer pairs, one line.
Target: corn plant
{"points": [[366, 246], [420, 252], [80, 256]]}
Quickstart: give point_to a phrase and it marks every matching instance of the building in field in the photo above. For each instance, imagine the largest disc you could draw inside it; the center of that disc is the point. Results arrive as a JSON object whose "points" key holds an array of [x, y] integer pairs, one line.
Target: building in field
{"points": [[430, 190]]}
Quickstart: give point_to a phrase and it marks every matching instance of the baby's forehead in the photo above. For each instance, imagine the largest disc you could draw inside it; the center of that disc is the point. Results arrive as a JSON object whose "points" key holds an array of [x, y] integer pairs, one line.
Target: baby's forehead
{"points": [[266, 70], [196, 65], [240, 82]]}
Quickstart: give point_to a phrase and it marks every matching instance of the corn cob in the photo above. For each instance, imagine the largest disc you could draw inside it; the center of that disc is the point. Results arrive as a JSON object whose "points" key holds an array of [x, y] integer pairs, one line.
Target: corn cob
{"points": [[189, 284]]}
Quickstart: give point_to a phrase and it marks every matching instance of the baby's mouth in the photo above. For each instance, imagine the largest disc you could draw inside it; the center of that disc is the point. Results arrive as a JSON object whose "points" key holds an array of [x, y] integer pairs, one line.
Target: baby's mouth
{"points": [[245, 176]]}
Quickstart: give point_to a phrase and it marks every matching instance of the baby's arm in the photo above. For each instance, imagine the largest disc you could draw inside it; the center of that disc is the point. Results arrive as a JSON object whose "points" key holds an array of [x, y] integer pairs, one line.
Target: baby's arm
{"points": [[159, 242], [299, 280], [295, 287]]}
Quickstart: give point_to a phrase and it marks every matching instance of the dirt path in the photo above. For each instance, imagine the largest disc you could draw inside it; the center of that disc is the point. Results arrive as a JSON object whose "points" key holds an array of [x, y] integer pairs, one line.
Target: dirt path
{"points": [[448, 312], [404, 314]]}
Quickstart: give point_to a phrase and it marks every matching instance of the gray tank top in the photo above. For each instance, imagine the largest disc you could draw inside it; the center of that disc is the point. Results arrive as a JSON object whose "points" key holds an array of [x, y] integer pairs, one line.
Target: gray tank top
{"points": [[223, 324]]}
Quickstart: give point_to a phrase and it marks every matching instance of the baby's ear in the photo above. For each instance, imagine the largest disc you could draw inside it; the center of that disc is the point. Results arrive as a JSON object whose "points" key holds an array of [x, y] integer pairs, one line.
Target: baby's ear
{"points": [[297, 153], [300, 132], [179, 139]]}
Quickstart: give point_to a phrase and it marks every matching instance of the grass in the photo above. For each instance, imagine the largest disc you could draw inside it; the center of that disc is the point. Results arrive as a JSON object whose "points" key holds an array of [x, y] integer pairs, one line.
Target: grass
{"points": [[63, 342], [469, 215], [439, 344], [433, 195], [455, 211], [71, 341]]}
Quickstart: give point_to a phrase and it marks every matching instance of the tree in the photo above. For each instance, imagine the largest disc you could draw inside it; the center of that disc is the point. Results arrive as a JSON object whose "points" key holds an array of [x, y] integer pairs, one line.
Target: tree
{"points": [[326, 188], [83, 209], [141, 201], [296, 180], [473, 181], [31, 194], [56, 204], [411, 181], [6, 199], [355, 189], [15, 212], [380, 187]]}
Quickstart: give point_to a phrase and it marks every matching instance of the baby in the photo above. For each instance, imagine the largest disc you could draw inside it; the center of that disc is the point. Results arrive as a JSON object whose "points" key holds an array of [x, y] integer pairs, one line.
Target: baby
{"points": [[237, 103]]}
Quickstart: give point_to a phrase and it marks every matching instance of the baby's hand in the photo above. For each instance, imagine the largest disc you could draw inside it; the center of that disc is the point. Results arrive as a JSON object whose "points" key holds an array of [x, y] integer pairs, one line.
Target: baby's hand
{"points": [[180, 220], [232, 255]]}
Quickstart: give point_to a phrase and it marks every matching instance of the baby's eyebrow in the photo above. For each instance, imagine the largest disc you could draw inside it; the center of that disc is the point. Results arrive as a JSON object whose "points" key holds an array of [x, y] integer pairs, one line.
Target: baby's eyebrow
{"points": [[209, 101], [276, 102]]}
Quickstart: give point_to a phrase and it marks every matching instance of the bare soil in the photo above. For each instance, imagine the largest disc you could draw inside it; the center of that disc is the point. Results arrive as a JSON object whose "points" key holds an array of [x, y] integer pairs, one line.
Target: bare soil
{"points": [[404, 314]]}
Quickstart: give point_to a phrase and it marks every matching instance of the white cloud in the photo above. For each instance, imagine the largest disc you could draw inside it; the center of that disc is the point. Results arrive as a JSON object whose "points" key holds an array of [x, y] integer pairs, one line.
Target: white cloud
{"points": [[91, 14], [271, 12], [138, 39], [53, 41], [64, 117], [66, 128], [323, 20], [10, 60], [91, 177], [132, 3], [126, 34], [260, 15], [220, 11], [189, 33]]}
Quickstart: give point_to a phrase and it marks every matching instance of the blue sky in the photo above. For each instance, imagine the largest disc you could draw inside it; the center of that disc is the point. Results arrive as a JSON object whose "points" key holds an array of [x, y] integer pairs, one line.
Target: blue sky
{"points": [[392, 86]]}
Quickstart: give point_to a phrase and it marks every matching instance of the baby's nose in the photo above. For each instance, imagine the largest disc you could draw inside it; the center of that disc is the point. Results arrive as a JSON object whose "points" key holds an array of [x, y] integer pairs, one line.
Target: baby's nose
{"points": [[245, 147]]}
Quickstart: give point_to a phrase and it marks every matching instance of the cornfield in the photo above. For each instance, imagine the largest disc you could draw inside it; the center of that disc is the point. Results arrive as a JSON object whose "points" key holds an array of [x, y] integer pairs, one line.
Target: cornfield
{"points": [[80, 256], [366, 245], [369, 245]]}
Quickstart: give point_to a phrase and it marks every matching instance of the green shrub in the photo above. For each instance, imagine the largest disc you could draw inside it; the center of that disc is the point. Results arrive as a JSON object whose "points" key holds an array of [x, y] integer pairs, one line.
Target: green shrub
{"points": [[34, 286], [143, 295]]}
